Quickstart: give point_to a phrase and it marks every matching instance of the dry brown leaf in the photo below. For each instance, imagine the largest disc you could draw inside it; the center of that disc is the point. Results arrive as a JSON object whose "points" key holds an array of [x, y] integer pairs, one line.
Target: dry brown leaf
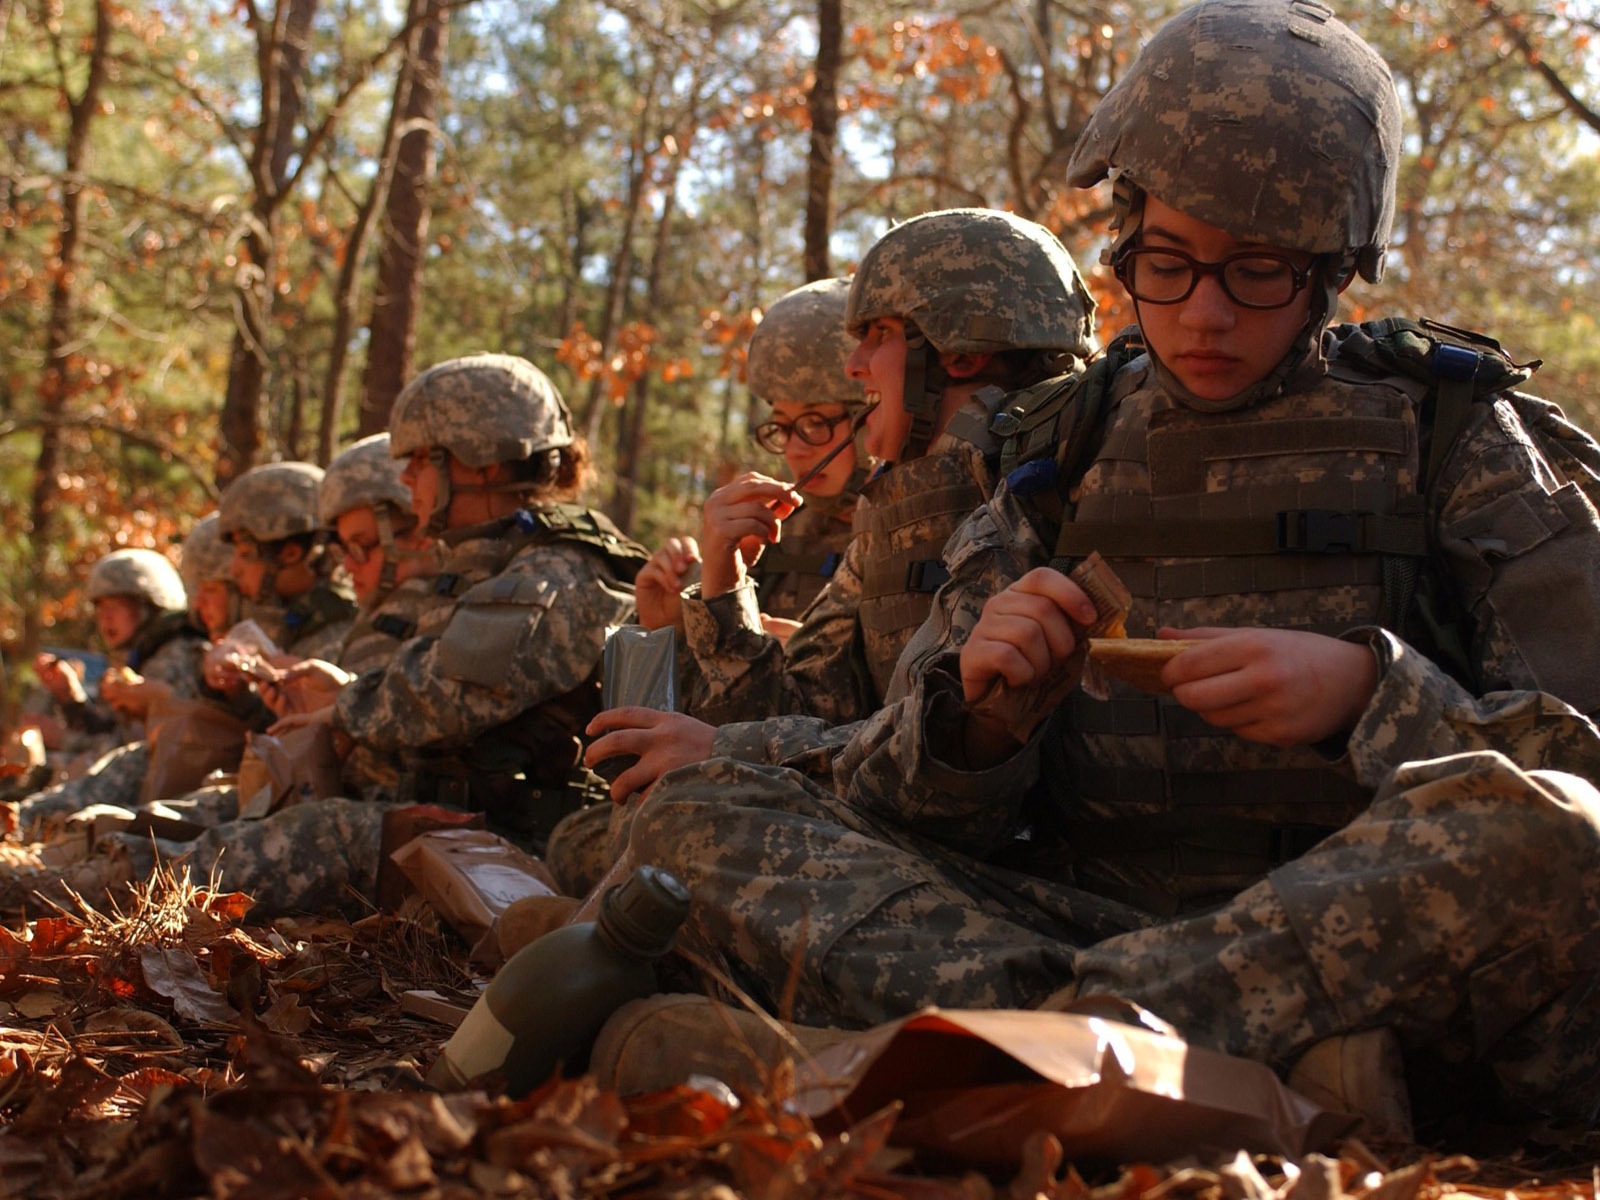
{"points": [[42, 1003], [175, 974], [287, 1015]]}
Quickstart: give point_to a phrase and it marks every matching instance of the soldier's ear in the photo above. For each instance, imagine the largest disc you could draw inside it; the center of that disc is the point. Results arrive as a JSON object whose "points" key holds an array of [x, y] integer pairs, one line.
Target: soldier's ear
{"points": [[289, 553]]}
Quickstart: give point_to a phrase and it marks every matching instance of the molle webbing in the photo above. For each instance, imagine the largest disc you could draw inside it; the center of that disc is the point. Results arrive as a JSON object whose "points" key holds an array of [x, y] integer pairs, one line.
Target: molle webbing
{"points": [[775, 562], [1286, 531]]}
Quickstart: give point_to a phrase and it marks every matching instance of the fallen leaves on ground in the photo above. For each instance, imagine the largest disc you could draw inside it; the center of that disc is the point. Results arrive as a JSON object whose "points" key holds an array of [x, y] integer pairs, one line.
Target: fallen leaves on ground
{"points": [[172, 1051]]}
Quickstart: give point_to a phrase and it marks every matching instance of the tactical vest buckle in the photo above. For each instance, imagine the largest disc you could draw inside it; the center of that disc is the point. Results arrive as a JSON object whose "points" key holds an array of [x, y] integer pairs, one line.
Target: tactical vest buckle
{"points": [[926, 575], [1318, 531]]}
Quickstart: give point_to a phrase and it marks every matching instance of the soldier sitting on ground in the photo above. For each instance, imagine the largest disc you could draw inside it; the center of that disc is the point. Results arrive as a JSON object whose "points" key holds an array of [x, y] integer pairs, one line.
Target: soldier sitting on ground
{"points": [[795, 365], [1362, 821]]}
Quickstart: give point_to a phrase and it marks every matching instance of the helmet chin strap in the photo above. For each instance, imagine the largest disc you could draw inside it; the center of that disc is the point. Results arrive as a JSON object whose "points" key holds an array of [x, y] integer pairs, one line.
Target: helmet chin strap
{"points": [[920, 393]]}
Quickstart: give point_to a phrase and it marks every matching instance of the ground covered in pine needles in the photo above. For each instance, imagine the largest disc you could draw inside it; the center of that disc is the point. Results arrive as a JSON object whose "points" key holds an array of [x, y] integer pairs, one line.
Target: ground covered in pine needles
{"points": [[170, 1050]]}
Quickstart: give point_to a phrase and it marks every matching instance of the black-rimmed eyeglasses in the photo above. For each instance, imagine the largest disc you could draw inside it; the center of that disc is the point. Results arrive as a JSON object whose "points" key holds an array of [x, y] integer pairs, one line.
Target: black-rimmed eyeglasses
{"points": [[813, 429], [1251, 280]]}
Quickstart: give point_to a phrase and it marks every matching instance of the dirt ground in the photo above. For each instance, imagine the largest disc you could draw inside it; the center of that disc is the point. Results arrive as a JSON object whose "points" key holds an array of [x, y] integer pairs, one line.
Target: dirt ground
{"points": [[170, 1050]]}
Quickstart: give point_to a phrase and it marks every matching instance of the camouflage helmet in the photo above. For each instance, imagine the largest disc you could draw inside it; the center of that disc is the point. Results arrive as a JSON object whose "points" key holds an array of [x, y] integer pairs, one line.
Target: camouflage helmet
{"points": [[975, 281], [363, 475], [484, 409], [142, 574], [205, 556], [797, 353], [1269, 119], [272, 502]]}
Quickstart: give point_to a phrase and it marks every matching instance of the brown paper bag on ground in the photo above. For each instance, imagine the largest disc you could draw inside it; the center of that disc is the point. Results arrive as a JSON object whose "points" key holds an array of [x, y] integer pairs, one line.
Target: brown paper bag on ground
{"points": [[188, 739], [279, 770], [976, 1084], [471, 876]]}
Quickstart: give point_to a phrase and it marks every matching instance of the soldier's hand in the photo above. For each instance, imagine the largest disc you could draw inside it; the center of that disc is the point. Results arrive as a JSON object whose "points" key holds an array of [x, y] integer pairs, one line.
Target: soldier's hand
{"points": [[657, 591], [1284, 687], [59, 677], [739, 520], [1022, 634], [134, 696], [659, 741], [779, 627], [308, 685]]}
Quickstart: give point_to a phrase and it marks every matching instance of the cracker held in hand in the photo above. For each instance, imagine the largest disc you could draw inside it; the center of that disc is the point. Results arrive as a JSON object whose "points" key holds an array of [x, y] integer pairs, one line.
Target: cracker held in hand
{"points": [[1133, 660]]}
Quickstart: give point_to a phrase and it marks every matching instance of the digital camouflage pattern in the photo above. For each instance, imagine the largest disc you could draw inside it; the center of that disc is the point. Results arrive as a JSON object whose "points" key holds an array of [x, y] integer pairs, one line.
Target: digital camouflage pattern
{"points": [[484, 409], [364, 475], [1398, 894], [272, 502], [797, 353], [839, 665], [531, 633], [975, 280], [315, 623], [142, 574], [1198, 121]]}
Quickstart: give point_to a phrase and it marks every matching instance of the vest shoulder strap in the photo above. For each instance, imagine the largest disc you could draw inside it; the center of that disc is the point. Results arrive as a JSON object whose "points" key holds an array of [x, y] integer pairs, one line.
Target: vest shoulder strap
{"points": [[586, 527], [1459, 366]]}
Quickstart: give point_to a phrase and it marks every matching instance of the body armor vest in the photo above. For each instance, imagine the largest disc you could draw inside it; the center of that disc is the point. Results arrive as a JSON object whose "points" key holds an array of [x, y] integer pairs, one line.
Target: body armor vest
{"points": [[906, 516], [1286, 515], [157, 632], [525, 774]]}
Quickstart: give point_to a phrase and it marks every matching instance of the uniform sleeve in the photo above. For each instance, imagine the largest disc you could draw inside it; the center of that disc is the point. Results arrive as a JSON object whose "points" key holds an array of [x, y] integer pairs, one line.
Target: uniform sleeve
{"points": [[176, 663], [1418, 712], [529, 634], [904, 761], [743, 672], [1519, 541]]}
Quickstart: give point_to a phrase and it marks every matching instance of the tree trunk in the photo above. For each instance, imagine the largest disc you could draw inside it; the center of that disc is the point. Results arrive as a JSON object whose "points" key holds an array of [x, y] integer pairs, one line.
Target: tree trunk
{"points": [[640, 161], [405, 227], [282, 48], [59, 379], [823, 105], [630, 434]]}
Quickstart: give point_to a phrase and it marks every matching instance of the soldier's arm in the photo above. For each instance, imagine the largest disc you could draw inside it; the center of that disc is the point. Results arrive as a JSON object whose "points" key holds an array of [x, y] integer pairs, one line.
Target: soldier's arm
{"points": [[746, 672], [1519, 546], [530, 634], [907, 762]]}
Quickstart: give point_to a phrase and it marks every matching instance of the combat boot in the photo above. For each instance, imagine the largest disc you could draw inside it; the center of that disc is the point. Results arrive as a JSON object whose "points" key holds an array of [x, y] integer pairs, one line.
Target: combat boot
{"points": [[1361, 1074], [662, 1041]]}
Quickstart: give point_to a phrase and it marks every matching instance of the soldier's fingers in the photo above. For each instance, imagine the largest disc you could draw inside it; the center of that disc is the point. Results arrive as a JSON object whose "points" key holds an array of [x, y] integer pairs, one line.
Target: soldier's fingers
{"points": [[625, 717], [1066, 595]]}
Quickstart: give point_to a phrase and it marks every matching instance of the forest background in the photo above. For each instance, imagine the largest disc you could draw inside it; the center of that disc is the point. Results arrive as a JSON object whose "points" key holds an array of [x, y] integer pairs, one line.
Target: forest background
{"points": [[231, 229]]}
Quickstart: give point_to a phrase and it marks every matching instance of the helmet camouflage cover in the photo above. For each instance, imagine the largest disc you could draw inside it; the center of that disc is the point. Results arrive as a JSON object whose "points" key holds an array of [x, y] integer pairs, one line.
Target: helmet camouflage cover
{"points": [[140, 573], [1269, 119], [484, 409], [272, 502], [975, 281], [364, 475], [797, 353], [205, 557]]}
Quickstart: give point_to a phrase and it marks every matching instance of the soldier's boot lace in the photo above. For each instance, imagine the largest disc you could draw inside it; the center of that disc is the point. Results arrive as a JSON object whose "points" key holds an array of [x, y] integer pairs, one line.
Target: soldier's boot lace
{"points": [[1362, 1074]]}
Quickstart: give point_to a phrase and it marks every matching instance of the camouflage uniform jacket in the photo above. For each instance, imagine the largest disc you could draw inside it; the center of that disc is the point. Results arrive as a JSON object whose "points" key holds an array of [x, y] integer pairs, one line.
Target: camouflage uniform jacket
{"points": [[1513, 534], [531, 632], [414, 607], [839, 665]]}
